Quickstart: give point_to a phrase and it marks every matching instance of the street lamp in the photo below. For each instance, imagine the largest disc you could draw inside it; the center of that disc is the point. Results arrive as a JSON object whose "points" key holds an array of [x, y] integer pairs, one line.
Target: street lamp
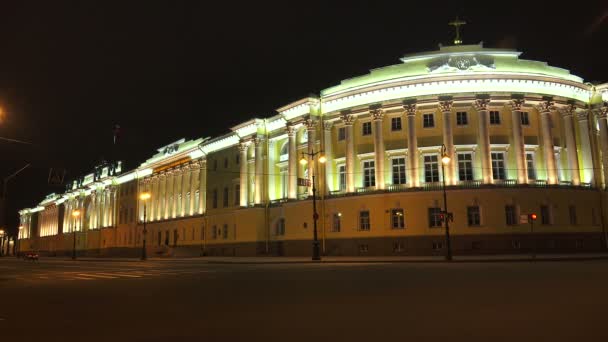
{"points": [[445, 160], [316, 255], [75, 215], [1, 242], [18, 241], [144, 196]]}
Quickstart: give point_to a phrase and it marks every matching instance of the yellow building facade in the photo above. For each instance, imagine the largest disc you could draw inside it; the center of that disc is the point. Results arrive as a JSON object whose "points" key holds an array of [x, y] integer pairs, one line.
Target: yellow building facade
{"points": [[521, 137]]}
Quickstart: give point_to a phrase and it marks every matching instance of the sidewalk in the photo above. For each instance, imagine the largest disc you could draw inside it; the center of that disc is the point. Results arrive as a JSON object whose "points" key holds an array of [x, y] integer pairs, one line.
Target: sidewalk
{"points": [[357, 259]]}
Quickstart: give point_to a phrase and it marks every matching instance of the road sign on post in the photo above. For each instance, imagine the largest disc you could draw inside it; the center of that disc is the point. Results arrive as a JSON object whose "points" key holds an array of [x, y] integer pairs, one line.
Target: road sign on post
{"points": [[303, 182]]}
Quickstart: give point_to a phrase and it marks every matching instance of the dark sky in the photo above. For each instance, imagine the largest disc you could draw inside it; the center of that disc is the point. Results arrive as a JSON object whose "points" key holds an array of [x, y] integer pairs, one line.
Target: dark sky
{"points": [[165, 70]]}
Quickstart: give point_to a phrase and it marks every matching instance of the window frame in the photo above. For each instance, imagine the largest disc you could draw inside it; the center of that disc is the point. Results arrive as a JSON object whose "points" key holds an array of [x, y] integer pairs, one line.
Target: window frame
{"points": [[336, 223], [468, 170], [496, 115], [369, 173], [524, 118], [532, 169], [433, 216], [512, 218], [365, 221], [396, 124], [397, 218], [366, 128], [341, 133], [341, 177], [473, 216], [432, 171], [462, 118], [496, 174], [428, 120], [401, 169]]}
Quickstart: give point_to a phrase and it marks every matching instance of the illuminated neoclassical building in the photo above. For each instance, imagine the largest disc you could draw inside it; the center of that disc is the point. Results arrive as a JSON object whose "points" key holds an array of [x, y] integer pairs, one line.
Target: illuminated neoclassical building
{"points": [[522, 137]]}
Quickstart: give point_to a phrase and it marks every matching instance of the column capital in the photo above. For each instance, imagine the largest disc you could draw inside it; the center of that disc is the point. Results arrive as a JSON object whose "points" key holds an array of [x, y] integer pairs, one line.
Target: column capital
{"points": [[377, 114], [568, 110], [327, 125], [311, 124], [516, 104], [291, 129], [481, 104], [348, 119], [545, 106], [243, 145], [445, 106], [602, 112], [410, 109], [582, 115], [258, 140]]}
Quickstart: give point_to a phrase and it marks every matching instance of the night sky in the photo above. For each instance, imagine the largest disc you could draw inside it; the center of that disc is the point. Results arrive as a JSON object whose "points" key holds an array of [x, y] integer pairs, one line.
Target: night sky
{"points": [[70, 71]]}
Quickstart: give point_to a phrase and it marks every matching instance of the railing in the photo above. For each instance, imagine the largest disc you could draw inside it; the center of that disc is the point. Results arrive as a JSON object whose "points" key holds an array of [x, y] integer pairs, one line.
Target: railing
{"points": [[505, 182], [470, 184], [396, 187], [432, 186], [541, 183], [364, 190]]}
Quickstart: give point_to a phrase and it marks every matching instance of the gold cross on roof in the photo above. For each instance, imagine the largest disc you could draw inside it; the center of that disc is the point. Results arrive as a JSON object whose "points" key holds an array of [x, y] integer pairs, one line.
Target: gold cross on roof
{"points": [[457, 23]]}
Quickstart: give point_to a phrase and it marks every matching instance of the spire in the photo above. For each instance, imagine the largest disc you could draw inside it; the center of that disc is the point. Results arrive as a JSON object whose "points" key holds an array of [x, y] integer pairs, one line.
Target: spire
{"points": [[457, 23]]}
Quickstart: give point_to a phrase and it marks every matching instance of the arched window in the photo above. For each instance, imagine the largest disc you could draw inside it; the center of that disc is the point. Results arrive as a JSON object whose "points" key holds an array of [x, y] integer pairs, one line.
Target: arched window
{"points": [[304, 138], [284, 154]]}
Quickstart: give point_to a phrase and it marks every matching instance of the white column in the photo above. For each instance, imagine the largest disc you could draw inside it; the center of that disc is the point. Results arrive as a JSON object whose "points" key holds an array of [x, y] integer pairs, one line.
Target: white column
{"points": [[377, 116], [259, 169], [270, 173], [567, 114], [162, 196], [445, 107], [185, 189], [602, 117], [329, 170], [169, 194], [544, 109], [349, 120], [518, 141], [292, 164], [483, 139], [412, 145], [311, 127], [177, 180], [585, 146], [202, 185], [243, 147], [194, 170]]}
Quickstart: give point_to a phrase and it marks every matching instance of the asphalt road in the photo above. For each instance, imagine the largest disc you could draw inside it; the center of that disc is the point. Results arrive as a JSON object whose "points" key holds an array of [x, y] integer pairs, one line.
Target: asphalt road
{"points": [[190, 300]]}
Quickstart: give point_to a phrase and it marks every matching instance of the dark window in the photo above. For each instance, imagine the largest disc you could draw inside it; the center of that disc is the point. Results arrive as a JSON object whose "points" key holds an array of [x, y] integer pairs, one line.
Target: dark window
{"points": [[530, 164], [214, 232], [341, 133], [166, 238], [369, 174], [280, 227], [572, 211], [175, 237], [367, 128], [395, 124], [159, 237], [398, 246], [510, 215], [431, 169], [545, 217], [461, 119], [428, 120], [131, 215], [397, 219], [225, 232], [225, 199], [364, 248], [342, 177], [226, 163], [524, 118], [437, 245], [494, 117], [473, 217], [435, 217], [398, 170], [237, 194], [498, 165], [364, 221], [214, 200], [237, 159], [335, 227], [465, 166], [516, 244]]}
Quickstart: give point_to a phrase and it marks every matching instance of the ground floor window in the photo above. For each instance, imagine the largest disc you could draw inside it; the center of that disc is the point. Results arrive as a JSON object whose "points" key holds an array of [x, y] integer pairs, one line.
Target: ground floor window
{"points": [[473, 216], [510, 215], [364, 221], [434, 217], [397, 219]]}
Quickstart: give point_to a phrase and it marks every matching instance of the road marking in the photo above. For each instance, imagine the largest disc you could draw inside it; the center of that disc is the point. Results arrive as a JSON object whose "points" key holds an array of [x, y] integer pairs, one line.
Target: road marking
{"points": [[96, 276], [122, 275]]}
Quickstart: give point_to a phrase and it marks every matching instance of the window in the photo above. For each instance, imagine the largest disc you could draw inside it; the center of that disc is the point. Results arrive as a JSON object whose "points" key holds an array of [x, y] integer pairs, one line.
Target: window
{"points": [[530, 166], [494, 117], [428, 120], [342, 177], [473, 216], [364, 248], [225, 232], [398, 170], [465, 166], [284, 182], [367, 128], [395, 124], [237, 194], [369, 174], [214, 198], [461, 119], [434, 217], [398, 247], [226, 163], [545, 213], [225, 199], [498, 165], [280, 228], [214, 232], [237, 159], [524, 118], [304, 137], [364, 220], [335, 227], [397, 219], [572, 211], [510, 215], [437, 245], [431, 169], [341, 133], [175, 237], [516, 244]]}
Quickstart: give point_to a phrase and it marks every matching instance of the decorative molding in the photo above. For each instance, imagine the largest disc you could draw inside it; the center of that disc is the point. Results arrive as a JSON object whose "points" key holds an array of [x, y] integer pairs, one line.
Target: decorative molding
{"points": [[377, 114], [481, 104], [410, 109], [582, 115], [545, 106], [291, 130], [311, 124], [348, 119], [602, 112], [568, 110], [446, 106], [516, 104], [327, 125]]}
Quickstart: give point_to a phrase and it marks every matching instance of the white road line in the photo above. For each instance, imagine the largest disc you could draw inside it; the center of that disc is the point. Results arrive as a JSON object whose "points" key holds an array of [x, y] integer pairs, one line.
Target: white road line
{"points": [[96, 276], [121, 275]]}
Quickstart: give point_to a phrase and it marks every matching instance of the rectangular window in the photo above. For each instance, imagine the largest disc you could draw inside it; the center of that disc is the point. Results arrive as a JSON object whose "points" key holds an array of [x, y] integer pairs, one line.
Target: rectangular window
{"points": [[369, 174], [214, 198], [398, 170], [465, 166], [226, 163], [510, 215], [342, 177], [498, 165], [572, 211], [494, 117], [431, 169], [225, 232], [461, 119], [395, 124], [214, 232], [367, 128], [225, 199], [530, 166], [473, 217], [545, 213], [397, 219], [335, 227], [428, 120], [237, 194], [435, 217], [237, 159], [341, 133], [364, 222], [280, 228], [524, 118], [437, 245]]}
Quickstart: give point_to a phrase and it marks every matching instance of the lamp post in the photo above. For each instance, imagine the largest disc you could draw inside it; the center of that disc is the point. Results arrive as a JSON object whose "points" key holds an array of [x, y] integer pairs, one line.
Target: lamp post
{"points": [[2, 242], [445, 159], [75, 215], [144, 196], [316, 255], [18, 241]]}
